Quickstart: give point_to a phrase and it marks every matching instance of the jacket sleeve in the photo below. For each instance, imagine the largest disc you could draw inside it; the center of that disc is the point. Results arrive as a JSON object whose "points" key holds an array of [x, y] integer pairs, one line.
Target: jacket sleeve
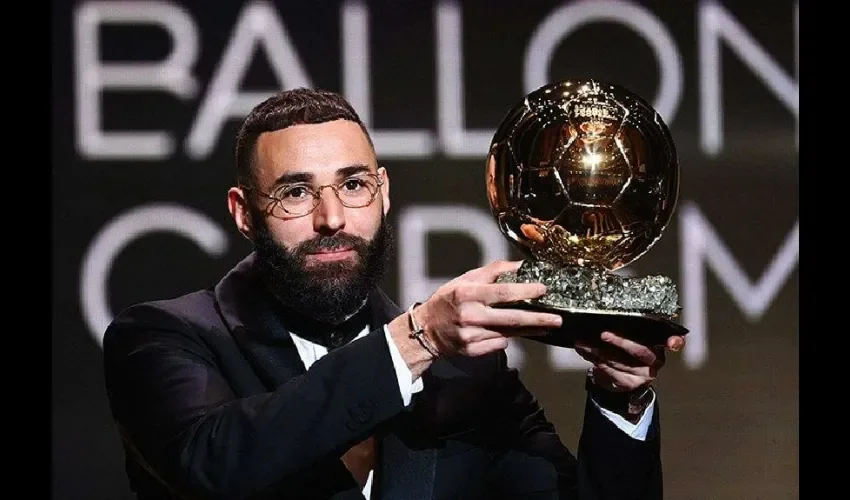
{"points": [[177, 411], [608, 465]]}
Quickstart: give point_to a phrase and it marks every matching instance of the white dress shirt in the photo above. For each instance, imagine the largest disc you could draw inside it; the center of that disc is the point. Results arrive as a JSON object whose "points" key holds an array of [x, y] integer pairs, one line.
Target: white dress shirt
{"points": [[310, 352]]}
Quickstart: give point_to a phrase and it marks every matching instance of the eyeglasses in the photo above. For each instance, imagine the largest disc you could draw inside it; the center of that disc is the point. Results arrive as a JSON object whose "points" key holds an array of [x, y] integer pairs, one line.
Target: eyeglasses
{"points": [[300, 199]]}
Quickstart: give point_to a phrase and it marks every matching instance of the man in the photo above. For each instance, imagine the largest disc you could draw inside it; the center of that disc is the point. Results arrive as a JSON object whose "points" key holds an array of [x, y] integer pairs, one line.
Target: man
{"points": [[296, 377]]}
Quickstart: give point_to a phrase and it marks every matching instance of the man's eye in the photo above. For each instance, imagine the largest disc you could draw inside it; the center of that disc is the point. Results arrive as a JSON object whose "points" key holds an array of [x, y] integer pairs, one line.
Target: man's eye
{"points": [[353, 184], [295, 192]]}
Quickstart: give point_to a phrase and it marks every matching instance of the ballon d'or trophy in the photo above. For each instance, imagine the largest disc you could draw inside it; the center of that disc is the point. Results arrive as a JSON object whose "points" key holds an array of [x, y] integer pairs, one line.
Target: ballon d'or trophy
{"points": [[583, 177]]}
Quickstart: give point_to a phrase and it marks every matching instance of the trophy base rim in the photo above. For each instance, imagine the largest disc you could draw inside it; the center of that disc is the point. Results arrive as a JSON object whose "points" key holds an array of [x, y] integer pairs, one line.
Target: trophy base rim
{"points": [[587, 324], [586, 289]]}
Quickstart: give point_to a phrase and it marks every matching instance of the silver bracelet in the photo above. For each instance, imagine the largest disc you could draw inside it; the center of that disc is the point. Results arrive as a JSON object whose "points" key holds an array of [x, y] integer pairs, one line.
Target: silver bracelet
{"points": [[418, 333]]}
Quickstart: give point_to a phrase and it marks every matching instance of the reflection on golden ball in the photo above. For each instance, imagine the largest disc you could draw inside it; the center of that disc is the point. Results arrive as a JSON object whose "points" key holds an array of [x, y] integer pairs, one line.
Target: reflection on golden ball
{"points": [[583, 172]]}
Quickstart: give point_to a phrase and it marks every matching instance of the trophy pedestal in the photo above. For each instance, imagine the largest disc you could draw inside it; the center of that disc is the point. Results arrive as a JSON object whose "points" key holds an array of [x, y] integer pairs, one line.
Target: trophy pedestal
{"points": [[591, 301], [588, 325]]}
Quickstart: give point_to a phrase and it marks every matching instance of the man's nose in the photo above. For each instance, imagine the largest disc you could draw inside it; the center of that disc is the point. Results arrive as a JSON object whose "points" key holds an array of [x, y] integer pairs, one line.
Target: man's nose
{"points": [[329, 216]]}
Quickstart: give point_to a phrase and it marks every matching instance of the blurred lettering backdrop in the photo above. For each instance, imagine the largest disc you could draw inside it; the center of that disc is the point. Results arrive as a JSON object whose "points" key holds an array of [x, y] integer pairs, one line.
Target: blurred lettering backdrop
{"points": [[148, 97]]}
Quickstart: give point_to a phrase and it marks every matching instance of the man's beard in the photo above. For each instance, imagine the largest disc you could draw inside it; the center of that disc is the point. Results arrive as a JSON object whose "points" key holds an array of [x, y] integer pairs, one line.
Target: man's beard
{"points": [[328, 292]]}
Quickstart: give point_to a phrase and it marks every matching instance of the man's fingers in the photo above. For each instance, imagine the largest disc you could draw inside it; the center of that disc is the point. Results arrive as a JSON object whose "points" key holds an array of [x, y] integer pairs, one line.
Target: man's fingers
{"points": [[603, 353], [506, 293], [475, 334], [676, 343], [489, 345], [472, 334], [588, 355], [642, 353], [482, 341], [508, 318], [623, 382], [594, 356]]}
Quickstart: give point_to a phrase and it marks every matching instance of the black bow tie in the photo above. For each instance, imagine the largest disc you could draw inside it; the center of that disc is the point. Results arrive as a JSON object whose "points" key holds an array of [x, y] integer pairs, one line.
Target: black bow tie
{"points": [[338, 338], [329, 336], [342, 334]]}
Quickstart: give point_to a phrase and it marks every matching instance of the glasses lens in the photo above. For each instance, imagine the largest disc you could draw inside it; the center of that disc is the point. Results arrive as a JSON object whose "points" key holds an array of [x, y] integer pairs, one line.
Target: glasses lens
{"points": [[296, 199], [357, 191]]}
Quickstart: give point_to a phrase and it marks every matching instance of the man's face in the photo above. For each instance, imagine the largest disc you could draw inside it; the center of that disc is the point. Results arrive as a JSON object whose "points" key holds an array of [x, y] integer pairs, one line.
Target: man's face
{"points": [[324, 263]]}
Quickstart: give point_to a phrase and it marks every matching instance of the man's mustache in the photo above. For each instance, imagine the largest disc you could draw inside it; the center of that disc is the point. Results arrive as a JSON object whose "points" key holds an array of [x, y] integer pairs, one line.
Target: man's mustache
{"points": [[329, 243]]}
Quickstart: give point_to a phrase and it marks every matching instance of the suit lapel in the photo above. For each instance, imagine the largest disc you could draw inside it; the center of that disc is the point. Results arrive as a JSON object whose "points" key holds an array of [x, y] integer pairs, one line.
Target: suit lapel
{"points": [[266, 344], [274, 357], [406, 466], [248, 311]]}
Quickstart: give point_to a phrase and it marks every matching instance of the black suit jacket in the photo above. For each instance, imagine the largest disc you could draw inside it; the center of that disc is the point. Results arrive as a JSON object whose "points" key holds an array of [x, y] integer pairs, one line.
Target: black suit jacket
{"points": [[212, 401]]}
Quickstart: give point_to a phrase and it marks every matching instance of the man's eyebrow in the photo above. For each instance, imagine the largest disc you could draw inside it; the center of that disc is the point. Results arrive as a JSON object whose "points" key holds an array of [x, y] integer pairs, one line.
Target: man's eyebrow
{"points": [[358, 168], [293, 177]]}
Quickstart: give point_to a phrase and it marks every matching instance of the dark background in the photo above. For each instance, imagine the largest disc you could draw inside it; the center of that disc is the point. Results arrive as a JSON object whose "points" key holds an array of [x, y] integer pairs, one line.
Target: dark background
{"points": [[730, 401]]}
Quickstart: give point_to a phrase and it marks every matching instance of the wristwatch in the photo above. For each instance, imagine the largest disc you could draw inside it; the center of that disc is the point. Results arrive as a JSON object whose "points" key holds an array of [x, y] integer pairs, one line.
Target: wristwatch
{"points": [[629, 405]]}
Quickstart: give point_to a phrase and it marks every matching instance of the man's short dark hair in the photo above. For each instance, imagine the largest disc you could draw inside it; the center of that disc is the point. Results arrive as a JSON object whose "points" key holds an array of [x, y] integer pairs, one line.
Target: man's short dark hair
{"points": [[286, 108]]}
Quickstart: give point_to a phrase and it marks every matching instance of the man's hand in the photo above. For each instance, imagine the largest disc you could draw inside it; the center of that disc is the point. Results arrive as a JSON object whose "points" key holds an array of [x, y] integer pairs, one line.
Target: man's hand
{"points": [[623, 365], [458, 317]]}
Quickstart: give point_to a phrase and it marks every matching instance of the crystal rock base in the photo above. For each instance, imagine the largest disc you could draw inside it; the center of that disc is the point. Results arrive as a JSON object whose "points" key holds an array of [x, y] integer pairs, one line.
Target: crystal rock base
{"points": [[591, 301]]}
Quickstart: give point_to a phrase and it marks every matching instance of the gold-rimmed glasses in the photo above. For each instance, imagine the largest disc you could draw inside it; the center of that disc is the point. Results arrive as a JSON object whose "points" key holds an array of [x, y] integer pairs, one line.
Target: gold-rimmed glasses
{"points": [[301, 198]]}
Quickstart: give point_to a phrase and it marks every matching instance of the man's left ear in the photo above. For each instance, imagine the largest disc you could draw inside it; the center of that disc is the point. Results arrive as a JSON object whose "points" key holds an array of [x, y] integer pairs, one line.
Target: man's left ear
{"points": [[385, 189]]}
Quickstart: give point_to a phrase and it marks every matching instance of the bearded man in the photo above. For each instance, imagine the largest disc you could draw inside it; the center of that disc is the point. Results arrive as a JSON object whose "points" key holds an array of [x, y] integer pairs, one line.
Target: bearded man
{"points": [[296, 377]]}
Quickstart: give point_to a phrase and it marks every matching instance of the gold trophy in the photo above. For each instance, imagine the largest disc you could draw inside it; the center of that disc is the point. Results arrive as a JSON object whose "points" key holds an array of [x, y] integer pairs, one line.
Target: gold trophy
{"points": [[583, 177]]}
